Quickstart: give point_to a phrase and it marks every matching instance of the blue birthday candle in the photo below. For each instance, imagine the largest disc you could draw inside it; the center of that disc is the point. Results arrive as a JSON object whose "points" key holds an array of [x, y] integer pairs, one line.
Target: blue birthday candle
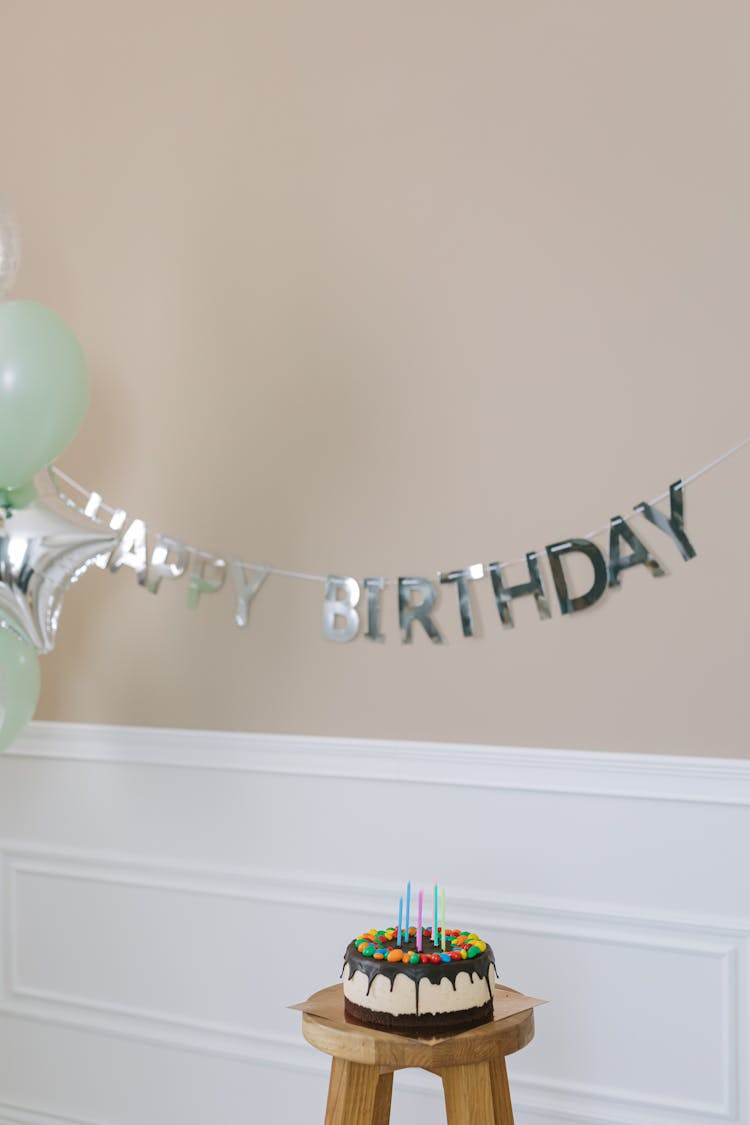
{"points": [[408, 911]]}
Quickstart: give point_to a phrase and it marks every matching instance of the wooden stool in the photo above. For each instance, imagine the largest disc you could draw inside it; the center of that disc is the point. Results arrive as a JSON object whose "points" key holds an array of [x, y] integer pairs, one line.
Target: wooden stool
{"points": [[471, 1065]]}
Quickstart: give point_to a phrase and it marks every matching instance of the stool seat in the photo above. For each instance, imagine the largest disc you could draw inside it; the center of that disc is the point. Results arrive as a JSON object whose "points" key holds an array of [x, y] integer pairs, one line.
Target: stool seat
{"points": [[470, 1063]]}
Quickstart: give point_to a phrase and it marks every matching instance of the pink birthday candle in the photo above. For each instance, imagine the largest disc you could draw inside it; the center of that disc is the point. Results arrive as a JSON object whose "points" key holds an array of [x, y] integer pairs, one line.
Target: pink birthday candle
{"points": [[435, 918], [419, 922]]}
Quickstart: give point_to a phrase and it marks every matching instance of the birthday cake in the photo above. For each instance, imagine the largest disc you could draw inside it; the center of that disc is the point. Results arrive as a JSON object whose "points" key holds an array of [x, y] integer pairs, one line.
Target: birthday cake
{"points": [[392, 980]]}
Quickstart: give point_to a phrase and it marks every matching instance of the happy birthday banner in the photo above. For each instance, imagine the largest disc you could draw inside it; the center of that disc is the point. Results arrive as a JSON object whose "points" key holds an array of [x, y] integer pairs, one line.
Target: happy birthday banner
{"points": [[43, 398], [156, 558], [44, 392]]}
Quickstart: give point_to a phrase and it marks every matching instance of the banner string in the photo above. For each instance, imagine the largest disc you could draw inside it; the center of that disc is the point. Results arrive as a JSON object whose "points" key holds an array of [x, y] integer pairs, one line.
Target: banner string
{"points": [[93, 504], [685, 482]]}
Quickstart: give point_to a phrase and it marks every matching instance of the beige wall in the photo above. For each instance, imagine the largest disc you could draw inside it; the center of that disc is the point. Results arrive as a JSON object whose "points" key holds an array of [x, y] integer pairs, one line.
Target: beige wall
{"points": [[382, 289]]}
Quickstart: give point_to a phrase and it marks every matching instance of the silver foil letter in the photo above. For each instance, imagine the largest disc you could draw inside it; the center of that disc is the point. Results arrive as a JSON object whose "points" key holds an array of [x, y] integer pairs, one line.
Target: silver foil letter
{"points": [[639, 552], [585, 547], [340, 618], [410, 611], [168, 560], [245, 590], [93, 504], [199, 582], [462, 579], [674, 524], [374, 587], [132, 551], [505, 594]]}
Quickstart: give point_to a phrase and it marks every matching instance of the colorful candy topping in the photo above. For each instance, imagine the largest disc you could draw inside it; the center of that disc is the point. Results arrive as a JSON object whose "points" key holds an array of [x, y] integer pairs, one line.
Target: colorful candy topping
{"points": [[460, 945]]}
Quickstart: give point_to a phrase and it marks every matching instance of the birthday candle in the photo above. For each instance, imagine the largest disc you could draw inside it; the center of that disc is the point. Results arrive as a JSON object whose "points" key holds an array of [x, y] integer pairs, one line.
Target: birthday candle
{"points": [[408, 911], [419, 921], [400, 918], [435, 920], [442, 913]]}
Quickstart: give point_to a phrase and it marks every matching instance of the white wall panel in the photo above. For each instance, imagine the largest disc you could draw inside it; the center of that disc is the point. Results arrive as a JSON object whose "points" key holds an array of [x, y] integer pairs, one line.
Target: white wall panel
{"points": [[150, 880]]}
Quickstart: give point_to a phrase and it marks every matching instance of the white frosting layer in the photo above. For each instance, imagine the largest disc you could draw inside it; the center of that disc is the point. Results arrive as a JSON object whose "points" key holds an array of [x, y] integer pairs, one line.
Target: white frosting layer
{"points": [[471, 991]]}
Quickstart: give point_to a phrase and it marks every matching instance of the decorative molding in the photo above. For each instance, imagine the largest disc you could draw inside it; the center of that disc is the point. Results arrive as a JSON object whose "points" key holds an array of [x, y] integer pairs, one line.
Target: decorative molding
{"points": [[524, 914], [693, 783], [24, 1115], [716, 938], [724, 781]]}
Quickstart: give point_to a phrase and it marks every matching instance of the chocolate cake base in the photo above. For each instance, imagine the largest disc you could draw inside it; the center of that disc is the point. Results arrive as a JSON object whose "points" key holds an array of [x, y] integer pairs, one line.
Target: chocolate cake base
{"points": [[429, 1022]]}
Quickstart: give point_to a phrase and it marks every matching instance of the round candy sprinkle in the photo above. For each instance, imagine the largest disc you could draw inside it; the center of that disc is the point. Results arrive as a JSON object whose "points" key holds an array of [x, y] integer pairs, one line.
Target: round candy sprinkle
{"points": [[435, 958], [473, 952], [414, 959], [424, 958], [395, 955], [445, 956], [455, 955]]}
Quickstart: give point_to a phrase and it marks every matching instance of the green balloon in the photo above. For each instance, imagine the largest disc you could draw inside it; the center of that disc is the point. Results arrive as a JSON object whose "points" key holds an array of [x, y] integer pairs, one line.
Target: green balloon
{"points": [[18, 497], [19, 682], [44, 389]]}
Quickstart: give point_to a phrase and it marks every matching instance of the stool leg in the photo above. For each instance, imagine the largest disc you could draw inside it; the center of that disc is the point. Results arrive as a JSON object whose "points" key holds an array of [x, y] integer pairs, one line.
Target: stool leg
{"points": [[358, 1094], [500, 1092], [477, 1094], [382, 1112]]}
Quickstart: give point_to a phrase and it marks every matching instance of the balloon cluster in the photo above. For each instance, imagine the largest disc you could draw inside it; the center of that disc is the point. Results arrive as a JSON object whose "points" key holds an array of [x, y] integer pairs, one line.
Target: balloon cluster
{"points": [[43, 398]]}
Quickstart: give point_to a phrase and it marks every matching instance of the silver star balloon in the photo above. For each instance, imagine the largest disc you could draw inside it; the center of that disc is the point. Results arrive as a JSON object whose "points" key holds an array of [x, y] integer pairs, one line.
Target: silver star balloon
{"points": [[42, 553]]}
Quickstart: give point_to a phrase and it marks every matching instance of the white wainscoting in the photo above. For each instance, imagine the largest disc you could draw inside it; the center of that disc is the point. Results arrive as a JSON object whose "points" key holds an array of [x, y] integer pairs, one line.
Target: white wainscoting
{"points": [[153, 882]]}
